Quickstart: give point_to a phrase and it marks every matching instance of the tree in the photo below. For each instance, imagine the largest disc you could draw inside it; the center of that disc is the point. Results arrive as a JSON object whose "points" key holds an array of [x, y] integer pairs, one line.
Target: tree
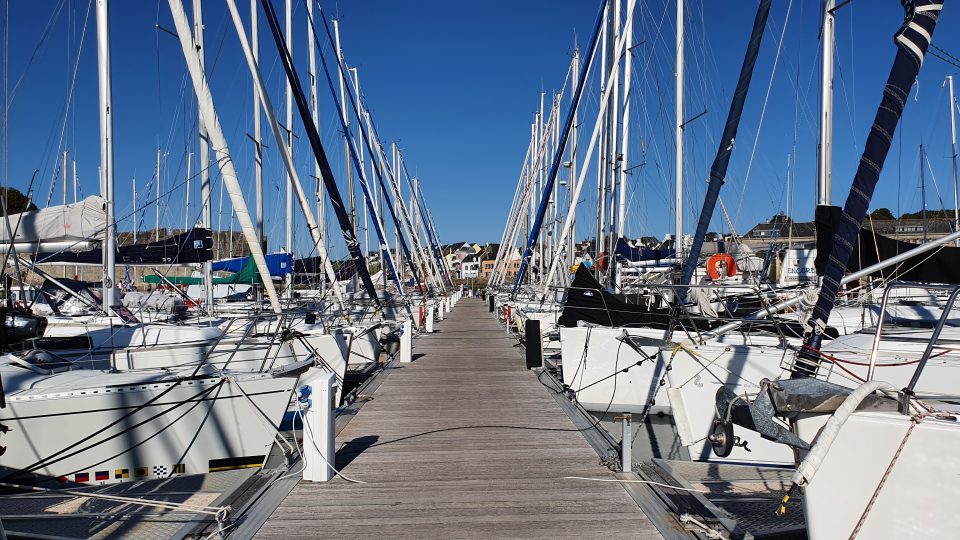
{"points": [[780, 218], [16, 201], [882, 213]]}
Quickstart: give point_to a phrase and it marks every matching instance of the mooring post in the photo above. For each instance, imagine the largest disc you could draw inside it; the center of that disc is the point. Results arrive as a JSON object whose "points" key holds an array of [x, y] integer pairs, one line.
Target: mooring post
{"points": [[319, 430], [626, 442], [406, 342], [429, 319]]}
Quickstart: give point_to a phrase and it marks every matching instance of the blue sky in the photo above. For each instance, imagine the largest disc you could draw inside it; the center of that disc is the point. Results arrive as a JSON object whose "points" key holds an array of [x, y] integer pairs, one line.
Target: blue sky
{"points": [[457, 84]]}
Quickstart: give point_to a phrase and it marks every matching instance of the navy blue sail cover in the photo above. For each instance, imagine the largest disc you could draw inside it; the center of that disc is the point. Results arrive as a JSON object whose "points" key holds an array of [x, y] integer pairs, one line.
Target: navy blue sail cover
{"points": [[912, 40], [192, 247]]}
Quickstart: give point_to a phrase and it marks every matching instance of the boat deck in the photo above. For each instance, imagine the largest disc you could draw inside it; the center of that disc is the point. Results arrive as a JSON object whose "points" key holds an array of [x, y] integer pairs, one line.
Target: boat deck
{"points": [[463, 442]]}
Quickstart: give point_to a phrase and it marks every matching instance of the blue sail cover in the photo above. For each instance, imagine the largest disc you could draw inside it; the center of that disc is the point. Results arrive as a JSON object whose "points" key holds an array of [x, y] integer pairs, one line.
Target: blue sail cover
{"points": [[625, 253], [279, 264], [912, 40], [191, 247]]}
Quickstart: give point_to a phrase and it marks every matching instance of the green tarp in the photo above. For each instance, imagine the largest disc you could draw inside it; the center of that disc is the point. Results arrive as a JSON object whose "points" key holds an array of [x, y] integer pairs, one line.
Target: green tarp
{"points": [[247, 275]]}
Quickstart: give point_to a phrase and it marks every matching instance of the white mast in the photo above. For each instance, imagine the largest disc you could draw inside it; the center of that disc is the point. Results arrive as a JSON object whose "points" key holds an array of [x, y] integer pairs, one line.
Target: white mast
{"points": [[257, 135], [63, 177], [311, 44], [574, 144], [135, 236], [396, 231], [205, 193], [613, 78], [346, 134], [613, 118], [604, 139], [224, 161], [156, 229], [186, 215], [288, 279], [953, 158], [825, 149], [624, 139], [678, 202], [285, 154], [356, 88], [106, 152]]}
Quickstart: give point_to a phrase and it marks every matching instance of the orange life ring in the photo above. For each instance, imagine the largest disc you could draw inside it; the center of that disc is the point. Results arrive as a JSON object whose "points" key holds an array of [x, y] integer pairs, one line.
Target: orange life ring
{"points": [[714, 265]]}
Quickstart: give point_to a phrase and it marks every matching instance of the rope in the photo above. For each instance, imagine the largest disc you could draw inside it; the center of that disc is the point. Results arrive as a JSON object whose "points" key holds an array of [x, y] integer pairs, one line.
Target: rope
{"points": [[883, 480], [648, 482], [218, 512], [837, 361], [232, 380]]}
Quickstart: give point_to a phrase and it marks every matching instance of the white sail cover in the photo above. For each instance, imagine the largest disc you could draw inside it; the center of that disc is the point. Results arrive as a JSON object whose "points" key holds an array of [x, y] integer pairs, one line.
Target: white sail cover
{"points": [[82, 221]]}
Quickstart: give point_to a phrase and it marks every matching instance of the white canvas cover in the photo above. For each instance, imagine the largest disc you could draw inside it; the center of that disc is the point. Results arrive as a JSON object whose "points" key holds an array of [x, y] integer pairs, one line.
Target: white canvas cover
{"points": [[83, 220]]}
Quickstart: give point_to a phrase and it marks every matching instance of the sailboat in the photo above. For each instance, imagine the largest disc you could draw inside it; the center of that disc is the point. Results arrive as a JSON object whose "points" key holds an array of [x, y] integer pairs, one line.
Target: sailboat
{"points": [[900, 422]]}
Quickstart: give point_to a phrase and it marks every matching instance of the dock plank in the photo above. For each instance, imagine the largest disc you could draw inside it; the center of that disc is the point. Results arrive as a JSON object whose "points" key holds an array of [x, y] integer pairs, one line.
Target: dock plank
{"points": [[446, 451]]}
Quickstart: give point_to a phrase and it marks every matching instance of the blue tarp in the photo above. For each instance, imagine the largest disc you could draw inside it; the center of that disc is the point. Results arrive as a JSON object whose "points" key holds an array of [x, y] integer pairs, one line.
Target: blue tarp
{"points": [[279, 264]]}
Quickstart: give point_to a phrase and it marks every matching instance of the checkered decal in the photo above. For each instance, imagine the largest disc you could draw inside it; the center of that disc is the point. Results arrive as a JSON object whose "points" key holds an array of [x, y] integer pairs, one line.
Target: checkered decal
{"points": [[160, 470]]}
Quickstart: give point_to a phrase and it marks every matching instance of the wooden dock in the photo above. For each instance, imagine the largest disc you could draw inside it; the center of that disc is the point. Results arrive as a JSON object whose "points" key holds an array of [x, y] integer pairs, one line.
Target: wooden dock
{"points": [[436, 464]]}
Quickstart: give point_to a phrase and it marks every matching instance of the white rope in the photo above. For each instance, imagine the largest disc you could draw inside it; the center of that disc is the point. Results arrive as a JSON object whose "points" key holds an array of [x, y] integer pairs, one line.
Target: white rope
{"points": [[307, 428], [233, 380], [711, 533], [216, 511], [650, 482]]}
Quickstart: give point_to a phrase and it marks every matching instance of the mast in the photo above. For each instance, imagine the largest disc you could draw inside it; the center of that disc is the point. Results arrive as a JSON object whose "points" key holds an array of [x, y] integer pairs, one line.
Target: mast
{"points": [[106, 151], [571, 203], [678, 116], [923, 192], [604, 102], [136, 237], [825, 148], [311, 44], [205, 192], [186, 215], [288, 278], [953, 159], [346, 134], [349, 234], [396, 238], [558, 153], [912, 40], [191, 54], [156, 228], [624, 140], [257, 135], [63, 176], [285, 155], [602, 157], [718, 170], [356, 87], [74, 180]]}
